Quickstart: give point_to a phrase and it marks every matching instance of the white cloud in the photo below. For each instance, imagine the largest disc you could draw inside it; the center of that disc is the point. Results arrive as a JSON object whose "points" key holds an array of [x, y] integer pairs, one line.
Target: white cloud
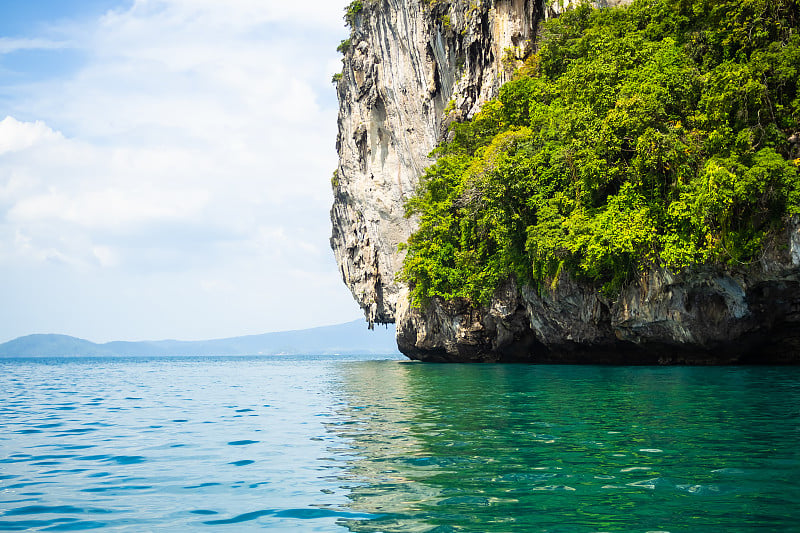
{"points": [[8, 46], [16, 135], [109, 208], [191, 148], [105, 255], [242, 13]]}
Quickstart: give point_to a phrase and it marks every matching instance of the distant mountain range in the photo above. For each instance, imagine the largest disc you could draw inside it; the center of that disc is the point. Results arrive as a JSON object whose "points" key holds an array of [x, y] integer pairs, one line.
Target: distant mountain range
{"points": [[350, 338]]}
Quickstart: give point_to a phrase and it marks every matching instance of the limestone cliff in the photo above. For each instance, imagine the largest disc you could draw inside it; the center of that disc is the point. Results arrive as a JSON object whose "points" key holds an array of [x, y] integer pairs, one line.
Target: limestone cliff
{"points": [[409, 69]]}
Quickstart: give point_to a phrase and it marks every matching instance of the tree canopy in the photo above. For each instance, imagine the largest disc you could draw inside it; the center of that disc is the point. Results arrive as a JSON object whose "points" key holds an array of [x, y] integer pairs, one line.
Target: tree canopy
{"points": [[651, 135]]}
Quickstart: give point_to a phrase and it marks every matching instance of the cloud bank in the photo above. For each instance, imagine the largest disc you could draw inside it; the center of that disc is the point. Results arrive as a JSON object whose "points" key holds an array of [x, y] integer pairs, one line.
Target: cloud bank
{"points": [[175, 181]]}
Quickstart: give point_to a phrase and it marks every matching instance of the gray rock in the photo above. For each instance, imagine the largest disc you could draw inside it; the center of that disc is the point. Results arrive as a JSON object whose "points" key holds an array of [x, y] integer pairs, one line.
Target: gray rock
{"points": [[413, 67], [717, 315], [408, 62]]}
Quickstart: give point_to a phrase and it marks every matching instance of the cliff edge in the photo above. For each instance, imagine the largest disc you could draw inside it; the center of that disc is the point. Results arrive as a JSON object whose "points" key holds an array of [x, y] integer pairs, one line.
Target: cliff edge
{"points": [[410, 68]]}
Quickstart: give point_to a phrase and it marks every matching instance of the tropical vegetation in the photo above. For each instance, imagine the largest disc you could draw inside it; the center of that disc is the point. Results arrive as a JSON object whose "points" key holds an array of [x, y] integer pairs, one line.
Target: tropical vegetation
{"points": [[655, 135]]}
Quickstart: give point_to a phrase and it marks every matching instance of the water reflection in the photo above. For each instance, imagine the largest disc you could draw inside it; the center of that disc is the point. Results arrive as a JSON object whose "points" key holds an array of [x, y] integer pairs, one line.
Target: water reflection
{"points": [[540, 448]]}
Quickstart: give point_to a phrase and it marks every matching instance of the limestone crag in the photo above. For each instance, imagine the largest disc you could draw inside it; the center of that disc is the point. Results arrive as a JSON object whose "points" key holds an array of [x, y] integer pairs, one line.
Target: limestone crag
{"points": [[410, 68]]}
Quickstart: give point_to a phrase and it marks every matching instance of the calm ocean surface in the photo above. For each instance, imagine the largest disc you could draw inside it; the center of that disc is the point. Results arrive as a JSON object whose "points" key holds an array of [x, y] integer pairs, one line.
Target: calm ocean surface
{"points": [[348, 444]]}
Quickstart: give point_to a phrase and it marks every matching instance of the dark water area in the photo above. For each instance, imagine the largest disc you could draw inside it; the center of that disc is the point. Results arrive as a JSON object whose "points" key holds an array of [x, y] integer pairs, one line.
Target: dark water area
{"points": [[350, 444]]}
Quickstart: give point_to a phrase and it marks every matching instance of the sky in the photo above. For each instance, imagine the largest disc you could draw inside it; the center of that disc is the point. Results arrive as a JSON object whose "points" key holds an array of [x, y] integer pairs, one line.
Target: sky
{"points": [[165, 168]]}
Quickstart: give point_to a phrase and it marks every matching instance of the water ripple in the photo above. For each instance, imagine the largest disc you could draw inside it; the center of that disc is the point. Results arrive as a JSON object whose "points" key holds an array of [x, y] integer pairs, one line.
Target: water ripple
{"points": [[364, 446]]}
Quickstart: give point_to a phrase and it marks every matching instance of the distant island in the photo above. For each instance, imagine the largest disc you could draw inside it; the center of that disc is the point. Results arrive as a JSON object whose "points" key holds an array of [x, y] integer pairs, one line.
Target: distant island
{"points": [[349, 338], [581, 181]]}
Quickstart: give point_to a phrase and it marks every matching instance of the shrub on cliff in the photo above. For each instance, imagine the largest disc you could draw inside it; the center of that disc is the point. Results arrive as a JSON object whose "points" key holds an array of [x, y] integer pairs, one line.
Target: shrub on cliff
{"points": [[652, 135]]}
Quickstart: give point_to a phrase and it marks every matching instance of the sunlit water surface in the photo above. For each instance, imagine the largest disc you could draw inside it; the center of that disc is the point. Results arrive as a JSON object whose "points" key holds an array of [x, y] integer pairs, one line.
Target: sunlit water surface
{"points": [[338, 444]]}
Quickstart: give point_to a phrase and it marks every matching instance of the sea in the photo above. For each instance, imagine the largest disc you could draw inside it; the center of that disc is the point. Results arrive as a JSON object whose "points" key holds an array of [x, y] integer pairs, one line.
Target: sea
{"points": [[371, 444]]}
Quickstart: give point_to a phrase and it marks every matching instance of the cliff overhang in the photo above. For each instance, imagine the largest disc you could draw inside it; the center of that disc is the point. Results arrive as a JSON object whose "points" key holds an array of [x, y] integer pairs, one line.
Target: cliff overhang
{"points": [[410, 68]]}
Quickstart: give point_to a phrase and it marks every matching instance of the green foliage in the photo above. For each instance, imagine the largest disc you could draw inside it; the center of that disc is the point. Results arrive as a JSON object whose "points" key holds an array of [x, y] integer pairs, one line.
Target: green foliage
{"points": [[337, 77], [344, 46], [447, 24], [353, 9], [653, 135], [511, 56]]}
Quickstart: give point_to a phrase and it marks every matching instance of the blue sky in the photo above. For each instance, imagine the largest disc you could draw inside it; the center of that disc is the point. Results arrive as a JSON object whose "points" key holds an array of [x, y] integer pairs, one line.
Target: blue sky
{"points": [[165, 167], [21, 17]]}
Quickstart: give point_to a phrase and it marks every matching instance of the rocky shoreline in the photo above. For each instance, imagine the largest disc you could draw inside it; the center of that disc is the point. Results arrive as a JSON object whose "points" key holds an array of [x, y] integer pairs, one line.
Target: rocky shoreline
{"points": [[410, 68]]}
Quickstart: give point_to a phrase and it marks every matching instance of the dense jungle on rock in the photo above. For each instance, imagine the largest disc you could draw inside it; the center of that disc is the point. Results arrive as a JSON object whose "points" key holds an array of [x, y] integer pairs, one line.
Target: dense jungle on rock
{"points": [[666, 133]]}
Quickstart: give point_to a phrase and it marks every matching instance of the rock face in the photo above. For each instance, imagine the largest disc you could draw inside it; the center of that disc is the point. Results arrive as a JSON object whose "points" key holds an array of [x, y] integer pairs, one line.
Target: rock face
{"points": [[709, 316], [412, 67]]}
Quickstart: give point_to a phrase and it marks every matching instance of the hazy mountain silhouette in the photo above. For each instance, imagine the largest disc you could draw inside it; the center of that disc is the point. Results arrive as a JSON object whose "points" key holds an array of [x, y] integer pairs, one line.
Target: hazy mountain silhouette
{"points": [[350, 338]]}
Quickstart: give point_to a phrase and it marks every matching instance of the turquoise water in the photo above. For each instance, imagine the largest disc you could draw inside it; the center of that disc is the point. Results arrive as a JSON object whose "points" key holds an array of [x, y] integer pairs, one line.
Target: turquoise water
{"points": [[338, 444]]}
